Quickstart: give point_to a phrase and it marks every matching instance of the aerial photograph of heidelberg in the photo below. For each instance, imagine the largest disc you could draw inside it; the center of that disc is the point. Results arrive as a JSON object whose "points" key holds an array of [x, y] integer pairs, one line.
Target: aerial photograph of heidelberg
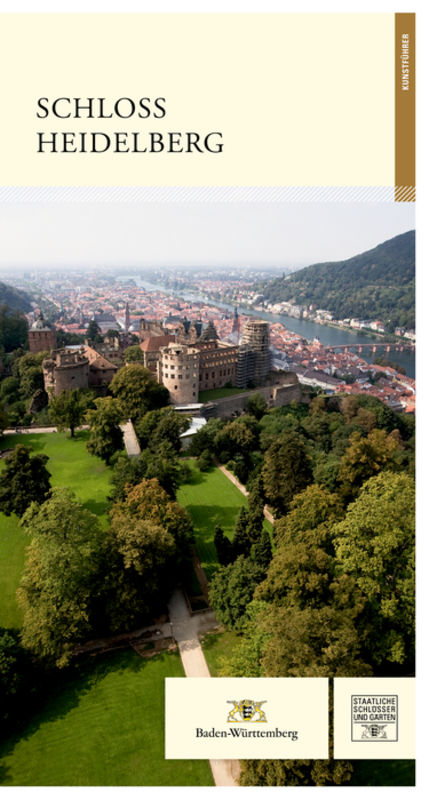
{"points": [[207, 419]]}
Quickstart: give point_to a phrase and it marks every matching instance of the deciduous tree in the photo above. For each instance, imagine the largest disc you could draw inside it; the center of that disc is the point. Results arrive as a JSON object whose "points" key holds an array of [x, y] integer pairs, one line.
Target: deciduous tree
{"points": [[3, 419], [375, 544], [61, 578], [142, 578], [23, 480], [15, 671], [152, 536], [67, 410], [286, 470], [138, 391], [365, 457], [160, 426], [133, 353], [105, 436], [149, 501], [256, 406]]}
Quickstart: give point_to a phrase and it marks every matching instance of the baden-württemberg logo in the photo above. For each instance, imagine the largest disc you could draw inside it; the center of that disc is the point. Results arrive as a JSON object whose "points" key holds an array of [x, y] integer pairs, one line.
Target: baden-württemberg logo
{"points": [[247, 711], [374, 732]]}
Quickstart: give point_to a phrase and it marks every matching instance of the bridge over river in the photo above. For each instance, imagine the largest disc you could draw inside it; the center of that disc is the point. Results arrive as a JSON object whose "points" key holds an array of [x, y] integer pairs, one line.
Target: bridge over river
{"points": [[398, 347]]}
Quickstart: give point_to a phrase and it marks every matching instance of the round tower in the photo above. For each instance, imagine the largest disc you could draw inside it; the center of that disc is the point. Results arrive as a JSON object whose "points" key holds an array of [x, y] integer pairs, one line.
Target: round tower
{"points": [[179, 372], [67, 369], [256, 334]]}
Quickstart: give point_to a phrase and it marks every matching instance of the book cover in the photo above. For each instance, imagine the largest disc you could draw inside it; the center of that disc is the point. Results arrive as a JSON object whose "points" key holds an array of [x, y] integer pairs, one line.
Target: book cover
{"points": [[207, 398]]}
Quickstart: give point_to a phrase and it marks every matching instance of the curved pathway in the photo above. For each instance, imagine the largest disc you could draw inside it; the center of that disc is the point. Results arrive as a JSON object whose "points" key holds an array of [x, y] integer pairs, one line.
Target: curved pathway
{"points": [[243, 490]]}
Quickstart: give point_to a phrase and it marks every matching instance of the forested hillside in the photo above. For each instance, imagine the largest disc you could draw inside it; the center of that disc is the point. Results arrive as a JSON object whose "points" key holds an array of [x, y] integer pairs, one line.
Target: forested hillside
{"points": [[15, 299], [377, 284]]}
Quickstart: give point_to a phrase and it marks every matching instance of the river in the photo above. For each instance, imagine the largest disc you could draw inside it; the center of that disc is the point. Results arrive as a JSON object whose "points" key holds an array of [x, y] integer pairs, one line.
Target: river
{"points": [[327, 334]]}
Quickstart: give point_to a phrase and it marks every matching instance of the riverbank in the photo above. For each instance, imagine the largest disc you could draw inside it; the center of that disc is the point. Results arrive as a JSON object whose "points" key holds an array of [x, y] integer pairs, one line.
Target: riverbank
{"points": [[329, 335]]}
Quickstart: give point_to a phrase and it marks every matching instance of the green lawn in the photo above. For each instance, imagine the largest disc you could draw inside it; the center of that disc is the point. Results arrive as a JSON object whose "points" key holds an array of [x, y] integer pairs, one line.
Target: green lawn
{"points": [[211, 500], [12, 552], [216, 645], [103, 726], [70, 465], [216, 394]]}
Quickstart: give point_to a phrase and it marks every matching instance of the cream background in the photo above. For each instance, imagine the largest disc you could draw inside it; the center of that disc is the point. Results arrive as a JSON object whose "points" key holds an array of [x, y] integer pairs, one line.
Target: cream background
{"points": [[299, 704], [300, 99]]}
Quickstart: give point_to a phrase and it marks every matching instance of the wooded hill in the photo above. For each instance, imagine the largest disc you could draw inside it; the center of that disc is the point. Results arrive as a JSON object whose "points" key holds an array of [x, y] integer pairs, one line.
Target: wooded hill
{"points": [[15, 299], [377, 284]]}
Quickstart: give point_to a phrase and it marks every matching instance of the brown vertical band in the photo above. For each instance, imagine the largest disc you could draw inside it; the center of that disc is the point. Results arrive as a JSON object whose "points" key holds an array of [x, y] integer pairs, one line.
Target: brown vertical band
{"points": [[405, 108]]}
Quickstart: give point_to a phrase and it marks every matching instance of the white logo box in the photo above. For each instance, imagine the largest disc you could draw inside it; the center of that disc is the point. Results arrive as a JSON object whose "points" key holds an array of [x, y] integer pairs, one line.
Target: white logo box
{"points": [[374, 718], [246, 718]]}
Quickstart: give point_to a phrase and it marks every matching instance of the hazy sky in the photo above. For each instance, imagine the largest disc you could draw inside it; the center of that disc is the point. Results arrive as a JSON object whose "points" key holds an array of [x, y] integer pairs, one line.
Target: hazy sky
{"points": [[189, 233]]}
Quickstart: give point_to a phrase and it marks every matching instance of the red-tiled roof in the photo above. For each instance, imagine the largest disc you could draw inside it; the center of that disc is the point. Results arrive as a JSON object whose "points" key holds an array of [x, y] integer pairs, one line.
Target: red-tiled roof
{"points": [[153, 344]]}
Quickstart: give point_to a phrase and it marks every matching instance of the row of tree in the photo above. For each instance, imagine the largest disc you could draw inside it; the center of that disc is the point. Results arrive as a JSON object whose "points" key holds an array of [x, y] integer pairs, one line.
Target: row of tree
{"points": [[337, 442]]}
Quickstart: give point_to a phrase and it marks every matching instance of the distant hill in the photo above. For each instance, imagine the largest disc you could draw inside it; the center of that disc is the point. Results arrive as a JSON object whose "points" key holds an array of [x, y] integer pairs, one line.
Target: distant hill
{"points": [[13, 324], [377, 284], [15, 299]]}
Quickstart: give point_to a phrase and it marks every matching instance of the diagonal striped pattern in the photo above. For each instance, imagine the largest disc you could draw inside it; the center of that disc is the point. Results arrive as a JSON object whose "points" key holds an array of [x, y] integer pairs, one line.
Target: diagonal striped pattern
{"points": [[405, 194], [206, 194]]}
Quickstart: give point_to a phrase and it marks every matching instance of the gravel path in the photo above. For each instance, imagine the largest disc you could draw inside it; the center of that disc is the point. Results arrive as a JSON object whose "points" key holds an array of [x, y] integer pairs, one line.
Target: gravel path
{"points": [[130, 439], [185, 631], [243, 490]]}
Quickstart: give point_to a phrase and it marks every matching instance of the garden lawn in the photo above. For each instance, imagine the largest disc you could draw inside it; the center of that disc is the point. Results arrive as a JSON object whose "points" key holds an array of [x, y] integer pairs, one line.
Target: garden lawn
{"points": [[211, 500], [70, 466], [216, 394], [13, 541], [215, 646], [103, 726]]}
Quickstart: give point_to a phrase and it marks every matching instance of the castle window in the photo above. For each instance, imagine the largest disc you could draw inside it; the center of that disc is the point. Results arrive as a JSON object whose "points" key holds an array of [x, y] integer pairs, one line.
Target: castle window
{"points": [[179, 377], [175, 387]]}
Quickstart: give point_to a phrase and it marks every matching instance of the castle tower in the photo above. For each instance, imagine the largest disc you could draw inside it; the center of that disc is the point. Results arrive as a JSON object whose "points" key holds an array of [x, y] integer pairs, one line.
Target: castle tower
{"points": [[179, 372], [64, 370], [41, 336], [256, 334], [209, 337]]}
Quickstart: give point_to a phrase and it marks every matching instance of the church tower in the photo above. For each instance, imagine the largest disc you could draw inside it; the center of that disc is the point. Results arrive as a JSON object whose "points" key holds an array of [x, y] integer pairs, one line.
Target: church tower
{"points": [[236, 326], [127, 318]]}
